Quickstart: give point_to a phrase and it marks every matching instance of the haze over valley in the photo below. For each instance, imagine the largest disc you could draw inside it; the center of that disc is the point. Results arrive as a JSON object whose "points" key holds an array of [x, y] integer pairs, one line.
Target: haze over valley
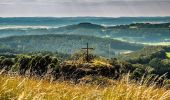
{"points": [[134, 32]]}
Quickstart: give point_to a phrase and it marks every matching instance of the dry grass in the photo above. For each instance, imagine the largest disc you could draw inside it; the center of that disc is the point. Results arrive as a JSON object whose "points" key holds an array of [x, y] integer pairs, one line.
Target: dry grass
{"points": [[97, 62], [100, 63], [16, 87]]}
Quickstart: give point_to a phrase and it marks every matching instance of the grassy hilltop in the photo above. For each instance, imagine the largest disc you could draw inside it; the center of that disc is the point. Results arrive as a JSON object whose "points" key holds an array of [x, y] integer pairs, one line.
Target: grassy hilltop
{"points": [[42, 76]]}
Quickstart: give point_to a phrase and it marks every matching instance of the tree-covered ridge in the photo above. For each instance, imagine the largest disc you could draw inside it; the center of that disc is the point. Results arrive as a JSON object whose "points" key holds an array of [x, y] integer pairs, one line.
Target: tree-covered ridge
{"points": [[137, 25], [153, 56], [67, 44], [137, 32], [144, 25], [148, 52]]}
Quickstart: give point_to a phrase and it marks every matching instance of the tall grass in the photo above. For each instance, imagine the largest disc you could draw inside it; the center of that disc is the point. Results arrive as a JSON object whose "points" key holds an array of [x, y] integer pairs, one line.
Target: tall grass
{"points": [[22, 88]]}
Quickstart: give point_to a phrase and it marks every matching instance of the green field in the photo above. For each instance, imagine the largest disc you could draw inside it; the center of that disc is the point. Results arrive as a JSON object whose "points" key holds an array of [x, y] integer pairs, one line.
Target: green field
{"points": [[168, 54]]}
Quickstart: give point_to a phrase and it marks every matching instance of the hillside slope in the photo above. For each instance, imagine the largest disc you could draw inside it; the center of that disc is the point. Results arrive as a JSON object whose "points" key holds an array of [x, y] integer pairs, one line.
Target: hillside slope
{"points": [[67, 44]]}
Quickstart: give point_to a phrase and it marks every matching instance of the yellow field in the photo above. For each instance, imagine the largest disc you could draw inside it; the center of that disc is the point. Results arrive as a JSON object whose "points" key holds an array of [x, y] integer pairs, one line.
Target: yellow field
{"points": [[16, 87]]}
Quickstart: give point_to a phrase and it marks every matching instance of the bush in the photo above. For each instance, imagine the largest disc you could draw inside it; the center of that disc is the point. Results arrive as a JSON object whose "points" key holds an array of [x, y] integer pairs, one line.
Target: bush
{"points": [[6, 64], [23, 65]]}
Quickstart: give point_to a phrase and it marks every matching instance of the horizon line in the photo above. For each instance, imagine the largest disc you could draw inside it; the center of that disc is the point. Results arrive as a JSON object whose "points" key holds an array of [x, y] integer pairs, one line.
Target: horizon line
{"points": [[76, 16]]}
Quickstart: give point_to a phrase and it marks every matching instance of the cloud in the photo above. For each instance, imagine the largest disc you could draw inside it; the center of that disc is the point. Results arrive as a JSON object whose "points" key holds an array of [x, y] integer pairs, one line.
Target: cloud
{"points": [[80, 2], [84, 7], [72, 1]]}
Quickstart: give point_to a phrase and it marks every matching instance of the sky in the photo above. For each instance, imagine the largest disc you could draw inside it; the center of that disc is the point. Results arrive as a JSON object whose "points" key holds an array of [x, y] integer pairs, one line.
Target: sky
{"points": [[73, 8]]}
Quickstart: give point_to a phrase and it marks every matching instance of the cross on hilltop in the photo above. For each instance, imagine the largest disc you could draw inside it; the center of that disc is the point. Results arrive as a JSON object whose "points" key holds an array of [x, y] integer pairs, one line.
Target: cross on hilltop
{"points": [[87, 52]]}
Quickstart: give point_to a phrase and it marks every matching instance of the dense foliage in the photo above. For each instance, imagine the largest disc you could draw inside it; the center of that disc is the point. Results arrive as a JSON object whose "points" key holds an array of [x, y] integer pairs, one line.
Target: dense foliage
{"points": [[154, 57], [75, 68], [39, 65]]}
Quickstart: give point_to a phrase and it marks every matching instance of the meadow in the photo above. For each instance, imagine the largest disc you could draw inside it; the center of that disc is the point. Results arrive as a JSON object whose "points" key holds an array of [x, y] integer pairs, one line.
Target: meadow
{"points": [[24, 88]]}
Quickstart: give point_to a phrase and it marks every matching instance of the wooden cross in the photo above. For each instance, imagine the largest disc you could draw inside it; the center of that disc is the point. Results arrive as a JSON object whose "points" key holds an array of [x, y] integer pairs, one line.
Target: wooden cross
{"points": [[87, 52]]}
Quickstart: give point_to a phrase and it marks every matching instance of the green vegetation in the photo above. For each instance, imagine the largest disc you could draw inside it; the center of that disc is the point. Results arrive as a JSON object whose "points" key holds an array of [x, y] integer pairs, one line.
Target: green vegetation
{"points": [[75, 67], [154, 57], [168, 54], [67, 44], [144, 55]]}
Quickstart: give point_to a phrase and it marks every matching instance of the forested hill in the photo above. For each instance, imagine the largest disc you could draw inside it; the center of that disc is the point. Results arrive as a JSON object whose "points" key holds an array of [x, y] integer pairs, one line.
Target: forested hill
{"points": [[144, 25], [139, 32], [90, 28], [67, 44], [138, 25], [157, 57], [145, 55]]}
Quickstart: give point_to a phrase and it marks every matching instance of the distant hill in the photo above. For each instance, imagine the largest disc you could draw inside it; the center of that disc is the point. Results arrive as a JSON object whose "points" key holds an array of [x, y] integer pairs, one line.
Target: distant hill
{"points": [[144, 25], [134, 33], [137, 32], [67, 44]]}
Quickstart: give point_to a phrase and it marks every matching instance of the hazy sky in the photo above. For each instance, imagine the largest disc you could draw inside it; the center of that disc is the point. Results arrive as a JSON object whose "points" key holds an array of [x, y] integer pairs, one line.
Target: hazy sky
{"points": [[108, 8]]}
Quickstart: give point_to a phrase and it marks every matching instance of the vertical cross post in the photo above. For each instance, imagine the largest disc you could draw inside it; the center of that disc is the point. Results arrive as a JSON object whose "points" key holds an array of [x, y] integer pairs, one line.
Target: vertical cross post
{"points": [[87, 52]]}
